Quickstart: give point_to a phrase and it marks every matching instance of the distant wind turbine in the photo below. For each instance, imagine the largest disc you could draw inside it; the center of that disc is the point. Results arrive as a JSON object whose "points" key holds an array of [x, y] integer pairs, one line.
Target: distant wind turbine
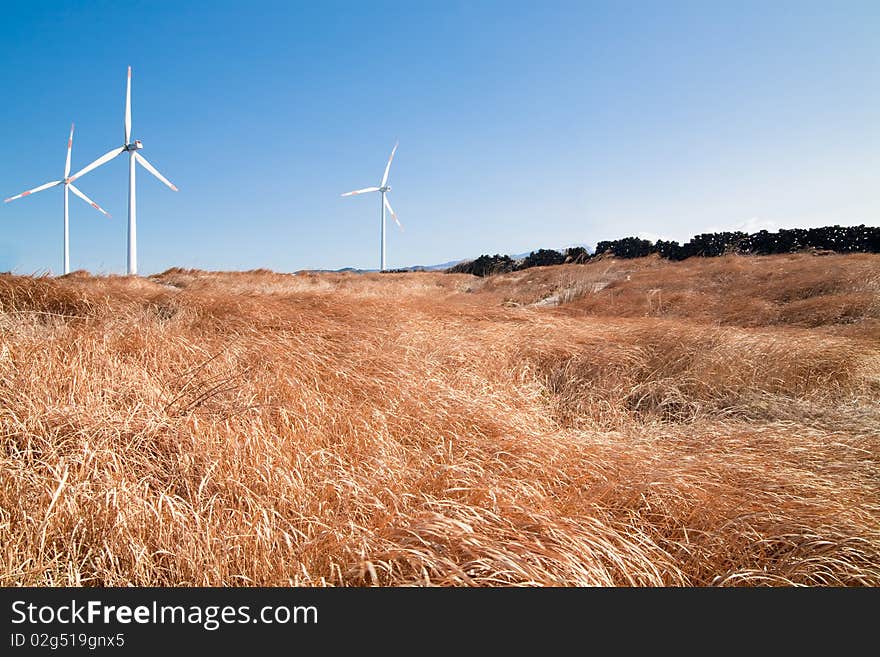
{"points": [[132, 147], [384, 189], [67, 181]]}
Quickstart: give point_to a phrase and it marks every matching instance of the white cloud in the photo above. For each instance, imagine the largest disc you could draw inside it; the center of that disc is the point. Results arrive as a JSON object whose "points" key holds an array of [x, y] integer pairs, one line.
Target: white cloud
{"points": [[755, 224], [751, 225], [652, 237]]}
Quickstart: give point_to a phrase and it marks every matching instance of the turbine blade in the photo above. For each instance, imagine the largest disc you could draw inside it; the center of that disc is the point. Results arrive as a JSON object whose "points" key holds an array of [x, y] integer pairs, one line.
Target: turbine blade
{"points": [[361, 191], [149, 167], [388, 166], [88, 200], [106, 157], [34, 190], [128, 107], [393, 216], [69, 147]]}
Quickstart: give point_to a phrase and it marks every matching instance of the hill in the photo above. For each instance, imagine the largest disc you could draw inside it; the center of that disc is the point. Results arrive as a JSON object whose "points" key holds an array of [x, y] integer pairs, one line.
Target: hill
{"points": [[621, 422]]}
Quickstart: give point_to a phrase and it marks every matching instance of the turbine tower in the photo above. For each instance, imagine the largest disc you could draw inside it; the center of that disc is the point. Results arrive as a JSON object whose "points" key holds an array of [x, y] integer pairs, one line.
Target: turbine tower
{"points": [[67, 181], [132, 147], [384, 188]]}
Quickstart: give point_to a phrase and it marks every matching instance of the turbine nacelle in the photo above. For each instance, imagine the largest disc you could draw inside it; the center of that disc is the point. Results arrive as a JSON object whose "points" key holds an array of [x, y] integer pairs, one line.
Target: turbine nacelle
{"points": [[136, 145], [386, 188]]}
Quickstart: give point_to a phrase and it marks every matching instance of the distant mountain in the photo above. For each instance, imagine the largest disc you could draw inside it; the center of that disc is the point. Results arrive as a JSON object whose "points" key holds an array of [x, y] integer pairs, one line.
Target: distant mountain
{"points": [[355, 270], [442, 265], [343, 270], [438, 267]]}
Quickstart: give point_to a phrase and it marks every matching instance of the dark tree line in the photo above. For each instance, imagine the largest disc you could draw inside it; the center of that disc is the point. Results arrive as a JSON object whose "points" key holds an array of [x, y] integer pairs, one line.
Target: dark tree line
{"points": [[485, 265], [840, 239]]}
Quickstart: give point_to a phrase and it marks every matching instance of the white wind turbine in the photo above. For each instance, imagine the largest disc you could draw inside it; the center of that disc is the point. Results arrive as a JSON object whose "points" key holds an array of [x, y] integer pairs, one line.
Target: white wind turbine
{"points": [[132, 147], [67, 181], [384, 189]]}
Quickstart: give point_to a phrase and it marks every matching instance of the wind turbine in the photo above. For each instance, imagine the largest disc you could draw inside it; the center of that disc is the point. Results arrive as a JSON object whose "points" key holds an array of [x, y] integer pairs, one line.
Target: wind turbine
{"points": [[132, 147], [67, 181], [384, 189]]}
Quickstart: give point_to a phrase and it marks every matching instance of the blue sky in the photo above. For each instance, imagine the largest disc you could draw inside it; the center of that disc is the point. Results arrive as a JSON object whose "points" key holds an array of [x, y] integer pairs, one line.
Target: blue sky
{"points": [[521, 125]]}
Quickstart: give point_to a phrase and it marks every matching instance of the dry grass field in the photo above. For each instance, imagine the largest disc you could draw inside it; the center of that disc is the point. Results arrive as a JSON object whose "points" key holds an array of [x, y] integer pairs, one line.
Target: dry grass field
{"points": [[708, 422]]}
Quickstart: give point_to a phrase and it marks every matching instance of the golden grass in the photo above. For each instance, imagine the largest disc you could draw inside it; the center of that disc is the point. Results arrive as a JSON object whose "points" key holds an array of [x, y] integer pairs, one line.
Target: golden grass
{"points": [[833, 291], [337, 429]]}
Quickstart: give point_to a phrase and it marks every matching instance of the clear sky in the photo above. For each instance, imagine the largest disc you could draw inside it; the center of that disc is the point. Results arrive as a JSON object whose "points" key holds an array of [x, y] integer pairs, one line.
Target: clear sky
{"points": [[521, 125]]}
